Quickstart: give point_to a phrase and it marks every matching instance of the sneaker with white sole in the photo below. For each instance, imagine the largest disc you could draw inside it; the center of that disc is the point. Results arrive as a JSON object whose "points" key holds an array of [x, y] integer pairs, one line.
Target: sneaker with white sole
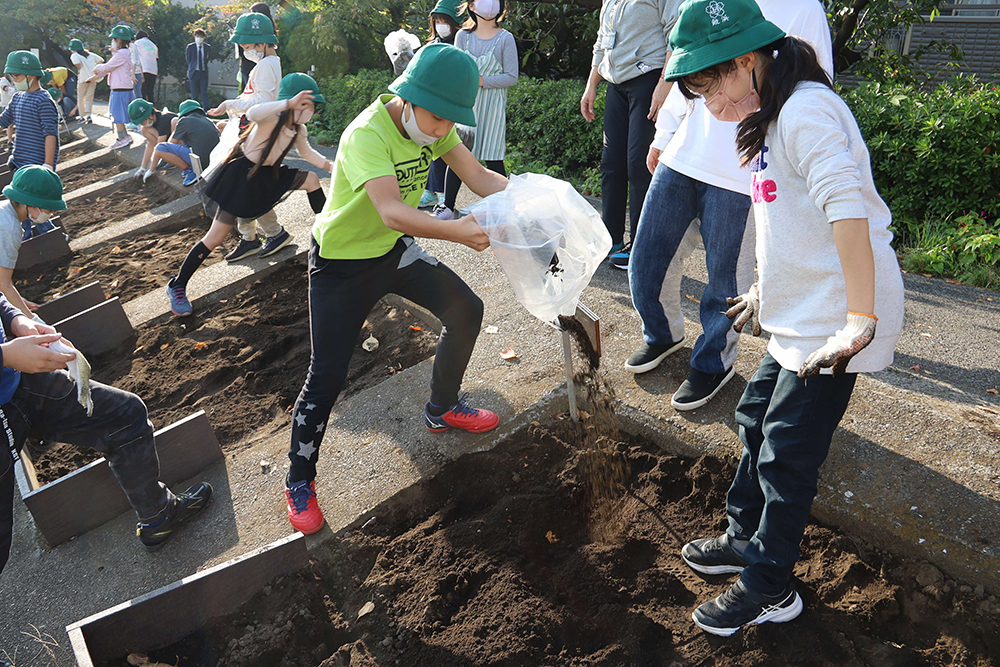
{"points": [[713, 555], [243, 250], [442, 212], [699, 388], [739, 606], [461, 416], [124, 142], [648, 356], [273, 244], [190, 178], [153, 533], [179, 303], [619, 260], [428, 200], [303, 510]]}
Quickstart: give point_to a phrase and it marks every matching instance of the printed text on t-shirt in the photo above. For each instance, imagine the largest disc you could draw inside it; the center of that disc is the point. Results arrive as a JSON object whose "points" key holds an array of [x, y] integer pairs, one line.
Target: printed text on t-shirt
{"points": [[412, 174], [762, 189]]}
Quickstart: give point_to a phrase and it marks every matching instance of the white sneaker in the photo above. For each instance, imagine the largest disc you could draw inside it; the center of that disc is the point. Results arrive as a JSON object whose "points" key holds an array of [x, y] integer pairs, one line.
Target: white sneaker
{"points": [[124, 142], [442, 212]]}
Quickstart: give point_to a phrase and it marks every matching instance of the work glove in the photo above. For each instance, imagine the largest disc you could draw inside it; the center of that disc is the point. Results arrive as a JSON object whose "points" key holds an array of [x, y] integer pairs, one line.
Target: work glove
{"points": [[841, 346], [745, 308], [146, 175], [138, 173]]}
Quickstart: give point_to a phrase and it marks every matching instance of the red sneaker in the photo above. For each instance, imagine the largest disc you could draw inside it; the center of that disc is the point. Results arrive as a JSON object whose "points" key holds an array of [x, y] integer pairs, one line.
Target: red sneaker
{"points": [[303, 510], [461, 416]]}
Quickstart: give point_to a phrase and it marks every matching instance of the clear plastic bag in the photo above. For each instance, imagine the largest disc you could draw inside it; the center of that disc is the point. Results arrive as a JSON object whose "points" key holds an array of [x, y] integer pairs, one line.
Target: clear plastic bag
{"points": [[548, 239]]}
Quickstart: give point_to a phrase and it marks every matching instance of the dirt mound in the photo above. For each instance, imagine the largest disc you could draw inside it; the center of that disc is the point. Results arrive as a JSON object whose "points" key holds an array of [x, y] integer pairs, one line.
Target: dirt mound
{"points": [[94, 171], [130, 198]]}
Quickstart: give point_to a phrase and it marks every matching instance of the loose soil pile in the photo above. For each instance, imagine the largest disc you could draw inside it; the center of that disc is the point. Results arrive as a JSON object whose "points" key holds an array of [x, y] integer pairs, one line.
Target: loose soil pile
{"points": [[94, 171], [492, 563], [243, 361], [76, 151], [127, 268], [129, 198]]}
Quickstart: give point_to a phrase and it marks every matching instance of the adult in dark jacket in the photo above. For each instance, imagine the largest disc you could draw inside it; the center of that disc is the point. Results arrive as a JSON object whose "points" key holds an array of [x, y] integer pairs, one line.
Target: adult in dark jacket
{"points": [[197, 54]]}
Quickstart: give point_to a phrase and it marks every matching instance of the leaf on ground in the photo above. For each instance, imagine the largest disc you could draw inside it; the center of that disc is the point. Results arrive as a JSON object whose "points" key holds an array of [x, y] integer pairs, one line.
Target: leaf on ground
{"points": [[368, 608], [915, 368], [414, 327], [201, 345], [508, 354], [491, 329], [992, 391], [551, 537]]}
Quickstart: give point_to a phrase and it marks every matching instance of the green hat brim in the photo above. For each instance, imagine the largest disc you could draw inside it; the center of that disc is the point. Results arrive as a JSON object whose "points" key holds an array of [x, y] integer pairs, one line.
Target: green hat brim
{"points": [[21, 197], [413, 92], [140, 117], [700, 55], [244, 38], [75, 45]]}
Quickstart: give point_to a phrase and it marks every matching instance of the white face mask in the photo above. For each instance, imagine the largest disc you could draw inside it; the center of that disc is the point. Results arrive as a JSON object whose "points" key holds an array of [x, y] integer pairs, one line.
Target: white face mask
{"points": [[417, 136], [303, 116], [253, 55], [114, 45], [22, 85], [487, 9], [443, 30], [42, 217], [199, 40]]}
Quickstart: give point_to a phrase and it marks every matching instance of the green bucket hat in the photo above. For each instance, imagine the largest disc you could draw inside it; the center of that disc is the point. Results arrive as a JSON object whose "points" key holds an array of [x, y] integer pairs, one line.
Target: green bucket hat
{"points": [[442, 79], [188, 106], [23, 62], [54, 93], [294, 83], [75, 45], [139, 110], [709, 32], [254, 28], [37, 186], [122, 32], [450, 8], [46, 78]]}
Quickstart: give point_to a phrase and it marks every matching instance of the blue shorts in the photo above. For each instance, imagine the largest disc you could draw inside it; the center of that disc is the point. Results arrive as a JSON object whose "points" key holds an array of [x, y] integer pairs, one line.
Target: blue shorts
{"points": [[119, 102], [180, 150]]}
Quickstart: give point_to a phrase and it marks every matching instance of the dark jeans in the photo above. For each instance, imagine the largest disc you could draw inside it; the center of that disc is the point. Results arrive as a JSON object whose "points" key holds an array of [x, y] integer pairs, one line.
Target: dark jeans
{"points": [[786, 425], [198, 84], [44, 406], [452, 183], [435, 180], [627, 136], [341, 294], [149, 86]]}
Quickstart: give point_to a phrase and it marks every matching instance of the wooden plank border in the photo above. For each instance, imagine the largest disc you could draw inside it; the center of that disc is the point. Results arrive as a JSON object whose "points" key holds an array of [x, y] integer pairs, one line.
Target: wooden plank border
{"points": [[97, 329], [46, 247], [71, 303], [90, 496], [169, 614]]}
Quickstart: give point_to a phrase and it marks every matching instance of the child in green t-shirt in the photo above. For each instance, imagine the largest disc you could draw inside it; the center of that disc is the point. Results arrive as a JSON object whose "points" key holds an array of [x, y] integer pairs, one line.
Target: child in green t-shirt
{"points": [[363, 248]]}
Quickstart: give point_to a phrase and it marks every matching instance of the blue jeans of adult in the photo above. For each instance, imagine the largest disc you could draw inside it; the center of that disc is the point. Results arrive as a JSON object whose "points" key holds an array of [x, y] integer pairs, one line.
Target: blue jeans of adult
{"points": [[627, 135], [341, 294], [137, 88], [673, 202], [786, 425], [44, 406], [198, 84]]}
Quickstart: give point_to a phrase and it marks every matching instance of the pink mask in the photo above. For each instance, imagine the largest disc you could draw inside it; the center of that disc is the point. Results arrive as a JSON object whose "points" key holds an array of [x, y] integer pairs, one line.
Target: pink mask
{"points": [[723, 108]]}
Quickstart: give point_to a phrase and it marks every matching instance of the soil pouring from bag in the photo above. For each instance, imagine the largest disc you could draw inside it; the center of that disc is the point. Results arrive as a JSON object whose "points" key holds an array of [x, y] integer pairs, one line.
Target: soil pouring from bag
{"points": [[96, 170], [130, 198], [496, 561], [242, 360]]}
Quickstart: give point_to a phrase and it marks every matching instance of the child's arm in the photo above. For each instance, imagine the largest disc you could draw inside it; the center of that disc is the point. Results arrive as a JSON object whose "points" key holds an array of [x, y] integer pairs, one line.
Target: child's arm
{"points": [[266, 81], [310, 154], [7, 118], [508, 58], [49, 118], [10, 292], [26, 350], [858, 262], [480, 180]]}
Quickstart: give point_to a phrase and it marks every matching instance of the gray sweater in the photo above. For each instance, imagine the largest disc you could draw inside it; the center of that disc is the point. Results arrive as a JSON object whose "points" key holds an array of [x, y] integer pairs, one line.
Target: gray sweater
{"points": [[504, 50], [632, 38]]}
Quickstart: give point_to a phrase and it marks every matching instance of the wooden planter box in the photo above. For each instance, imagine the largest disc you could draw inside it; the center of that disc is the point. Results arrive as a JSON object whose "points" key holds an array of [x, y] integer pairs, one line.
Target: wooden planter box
{"points": [[97, 329], [171, 613], [71, 303], [43, 248], [90, 496]]}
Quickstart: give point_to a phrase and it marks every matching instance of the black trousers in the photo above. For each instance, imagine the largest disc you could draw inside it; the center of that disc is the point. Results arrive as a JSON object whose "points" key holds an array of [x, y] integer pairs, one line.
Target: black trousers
{"points": [[341, 294], [627, 136], [452, 183], [148, 87]]}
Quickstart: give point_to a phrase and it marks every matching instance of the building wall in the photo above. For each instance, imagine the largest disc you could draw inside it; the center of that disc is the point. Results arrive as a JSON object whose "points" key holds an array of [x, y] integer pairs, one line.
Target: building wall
{"points": [[978, 37]]}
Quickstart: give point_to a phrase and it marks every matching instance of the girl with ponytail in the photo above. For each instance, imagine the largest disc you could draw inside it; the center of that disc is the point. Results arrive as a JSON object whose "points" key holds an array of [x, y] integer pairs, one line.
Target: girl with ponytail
{"points": [[827, 276]]}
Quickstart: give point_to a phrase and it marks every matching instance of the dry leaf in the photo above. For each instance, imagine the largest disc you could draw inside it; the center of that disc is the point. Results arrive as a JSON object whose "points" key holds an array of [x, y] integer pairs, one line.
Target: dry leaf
{"points": [[200, 345], [915, 368], [165, 346], [551, 537], [692, 298], [989, 410], [115, 250], [114, 283], [139, 349], [414, 327], [491, 329], [370, 344], [508, 354], [925, 334], [992, 391], [368, 608]]}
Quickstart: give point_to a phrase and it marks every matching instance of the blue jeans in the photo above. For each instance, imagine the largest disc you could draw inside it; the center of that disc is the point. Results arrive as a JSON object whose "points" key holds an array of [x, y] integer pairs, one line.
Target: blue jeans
{"points": [[435, 180], [137, 88], [786, 425], [672, 204]]}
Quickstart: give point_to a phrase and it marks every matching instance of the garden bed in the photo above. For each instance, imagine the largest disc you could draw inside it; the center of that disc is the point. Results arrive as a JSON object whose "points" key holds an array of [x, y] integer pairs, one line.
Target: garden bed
{"points": [[241, 359], [130, 197], [494, 562], [93, 171], [76, 151]]}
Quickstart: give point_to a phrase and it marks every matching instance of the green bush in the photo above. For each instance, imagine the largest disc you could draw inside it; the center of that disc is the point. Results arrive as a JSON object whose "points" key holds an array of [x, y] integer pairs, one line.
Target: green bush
{"points": [[967, 250], [935, 154], [346, 97]]}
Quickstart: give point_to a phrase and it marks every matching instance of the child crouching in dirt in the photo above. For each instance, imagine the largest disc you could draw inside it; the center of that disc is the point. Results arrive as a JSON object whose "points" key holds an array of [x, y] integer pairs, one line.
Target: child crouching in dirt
{"points": [[155, 127], [363, 249], [826, 275], [39, 399], [253, 180]]}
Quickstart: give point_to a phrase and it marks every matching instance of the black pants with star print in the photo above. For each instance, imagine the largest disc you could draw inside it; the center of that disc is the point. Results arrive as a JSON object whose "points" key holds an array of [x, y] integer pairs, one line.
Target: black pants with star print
{"points": [[341, 294]]}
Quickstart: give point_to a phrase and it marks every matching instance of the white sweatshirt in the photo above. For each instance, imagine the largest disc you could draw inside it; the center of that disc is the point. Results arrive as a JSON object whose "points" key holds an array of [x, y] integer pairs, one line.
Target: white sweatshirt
{"points": [[698, 145], [266, 117], [815, 171], [262, 86]]}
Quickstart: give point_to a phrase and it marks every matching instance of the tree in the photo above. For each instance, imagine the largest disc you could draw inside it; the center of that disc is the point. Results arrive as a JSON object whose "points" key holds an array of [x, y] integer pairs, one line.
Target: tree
{"points": [[170, 25]]}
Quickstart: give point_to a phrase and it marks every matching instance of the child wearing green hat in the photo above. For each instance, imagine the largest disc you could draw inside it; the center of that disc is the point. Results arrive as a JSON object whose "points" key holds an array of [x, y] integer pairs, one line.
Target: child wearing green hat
{"points": [[121, 78], [826, 275], [193, 133], [155, 127], [363, 248], [33, 112], [252, 179], [85, 62]]}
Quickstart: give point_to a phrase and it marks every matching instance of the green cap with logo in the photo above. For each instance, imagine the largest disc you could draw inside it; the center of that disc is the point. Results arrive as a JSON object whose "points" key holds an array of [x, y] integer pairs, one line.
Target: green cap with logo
{"points": [[46, 78], [75, 45], [55, 94], [122, 32], [254, 28], [36, 186], [294, 83], [23, 62], [452, 8], [188, 106], [139, 110], [709, 32], [442, 79]]}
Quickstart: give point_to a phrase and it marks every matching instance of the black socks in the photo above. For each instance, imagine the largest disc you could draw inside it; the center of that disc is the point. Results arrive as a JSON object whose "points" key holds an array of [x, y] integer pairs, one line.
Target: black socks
{"points": [[317, 200], [191, 263]]}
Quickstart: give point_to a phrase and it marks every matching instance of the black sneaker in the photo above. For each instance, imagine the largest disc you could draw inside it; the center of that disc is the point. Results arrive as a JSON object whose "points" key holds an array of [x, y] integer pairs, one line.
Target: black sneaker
{"points": [[648, 357], [273, 244], [243, 250], [740, 606], [699, 388], [713, 555], [185, 507], [619, 260]]}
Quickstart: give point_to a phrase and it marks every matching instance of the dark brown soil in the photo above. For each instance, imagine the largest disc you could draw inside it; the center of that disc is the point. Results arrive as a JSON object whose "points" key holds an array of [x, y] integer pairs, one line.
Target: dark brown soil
{"points": [[127, 268], [242, 360], [491, 563], [94, 171], [129, 198], [76, 151]]}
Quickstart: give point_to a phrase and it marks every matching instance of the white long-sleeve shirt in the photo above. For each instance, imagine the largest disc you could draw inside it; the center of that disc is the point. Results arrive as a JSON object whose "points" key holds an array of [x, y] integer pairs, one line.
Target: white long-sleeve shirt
{"points": [[266, 118], [262, 86]]}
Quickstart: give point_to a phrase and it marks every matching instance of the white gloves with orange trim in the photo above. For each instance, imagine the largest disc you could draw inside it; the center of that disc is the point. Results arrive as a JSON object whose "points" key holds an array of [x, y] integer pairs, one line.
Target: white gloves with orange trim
{"points": [[841, 346]]}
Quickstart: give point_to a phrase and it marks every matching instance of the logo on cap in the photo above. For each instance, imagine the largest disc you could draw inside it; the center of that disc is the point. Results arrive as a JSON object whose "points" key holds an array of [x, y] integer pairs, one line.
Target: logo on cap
{"points": [[717, 10], [255, 24], [24, 60]]}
